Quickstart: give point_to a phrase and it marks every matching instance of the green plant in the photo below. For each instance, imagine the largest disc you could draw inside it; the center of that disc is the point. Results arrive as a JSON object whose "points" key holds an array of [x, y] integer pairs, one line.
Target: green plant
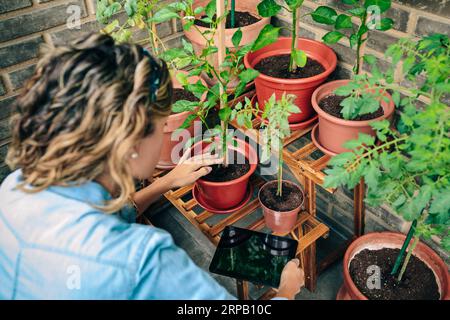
{"points": [[142, 14], [361, 11], [269, 34], [367, 13], [222, 90], [276, 128], [410, 166]]}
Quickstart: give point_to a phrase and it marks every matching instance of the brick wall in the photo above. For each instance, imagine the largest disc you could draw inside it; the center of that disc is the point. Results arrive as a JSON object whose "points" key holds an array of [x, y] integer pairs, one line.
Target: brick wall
{"points": [[25, 24]]}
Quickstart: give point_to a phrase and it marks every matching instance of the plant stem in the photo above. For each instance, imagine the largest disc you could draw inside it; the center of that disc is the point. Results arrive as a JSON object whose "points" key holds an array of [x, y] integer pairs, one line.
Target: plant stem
{"points": [[399, 259], [373, 150], [360, 47], [232, 11], [292, 63], [408, 256], [280, 168], [151, 30]]}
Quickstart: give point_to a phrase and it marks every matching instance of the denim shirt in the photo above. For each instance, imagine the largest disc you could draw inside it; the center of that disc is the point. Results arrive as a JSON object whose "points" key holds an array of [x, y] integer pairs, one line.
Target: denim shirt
{"points": [[54, 244]]}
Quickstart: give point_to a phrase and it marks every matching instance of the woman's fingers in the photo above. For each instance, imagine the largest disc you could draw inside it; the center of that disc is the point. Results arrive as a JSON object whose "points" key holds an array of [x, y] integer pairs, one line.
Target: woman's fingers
{"points": [[185, 156], [204, 160], [296, 261], [201, 172]]}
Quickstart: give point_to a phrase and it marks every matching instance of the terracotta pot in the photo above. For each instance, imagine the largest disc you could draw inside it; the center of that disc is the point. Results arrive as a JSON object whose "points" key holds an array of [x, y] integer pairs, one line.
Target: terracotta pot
{"points": [[249, 33], [380, 240], [167, 160], [333, 131], [228, 194], [302, 88], [280, 222]]}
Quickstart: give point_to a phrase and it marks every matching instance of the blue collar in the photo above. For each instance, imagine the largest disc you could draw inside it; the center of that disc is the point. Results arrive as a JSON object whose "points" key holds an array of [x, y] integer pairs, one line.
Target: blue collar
{"points": [[89, 192]]}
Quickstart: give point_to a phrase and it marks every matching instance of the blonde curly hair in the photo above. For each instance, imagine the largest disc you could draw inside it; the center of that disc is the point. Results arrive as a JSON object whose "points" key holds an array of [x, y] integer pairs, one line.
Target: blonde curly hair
{"points": [[82, 111]]}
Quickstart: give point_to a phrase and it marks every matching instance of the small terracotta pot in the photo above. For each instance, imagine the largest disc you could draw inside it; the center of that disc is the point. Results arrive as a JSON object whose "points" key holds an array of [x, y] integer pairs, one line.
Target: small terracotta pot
{"points": [[380, 240], [333, 131], [228, 194], [280, 222], [174, 121], [302, 88], [249, 33]]}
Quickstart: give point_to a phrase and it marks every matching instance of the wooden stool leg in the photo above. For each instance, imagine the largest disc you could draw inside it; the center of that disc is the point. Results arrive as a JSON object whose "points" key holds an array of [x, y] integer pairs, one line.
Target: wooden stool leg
{"points": [[242, 290], [359, 209], [310, 267], [310, 192]]}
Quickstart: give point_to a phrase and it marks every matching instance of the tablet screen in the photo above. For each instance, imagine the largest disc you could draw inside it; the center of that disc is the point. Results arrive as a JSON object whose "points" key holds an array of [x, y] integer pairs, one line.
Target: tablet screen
{"points": [[253, 256]]}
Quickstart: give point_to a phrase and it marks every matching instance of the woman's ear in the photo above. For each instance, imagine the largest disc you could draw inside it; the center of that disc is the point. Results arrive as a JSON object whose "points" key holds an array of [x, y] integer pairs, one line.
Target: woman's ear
{"points": [[144, 156], [134, 154]]}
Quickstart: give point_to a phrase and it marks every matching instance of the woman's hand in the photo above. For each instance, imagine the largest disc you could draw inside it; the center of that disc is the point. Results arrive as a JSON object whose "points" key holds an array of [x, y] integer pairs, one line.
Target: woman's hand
{"points": [[292, 279], [189, 170]]}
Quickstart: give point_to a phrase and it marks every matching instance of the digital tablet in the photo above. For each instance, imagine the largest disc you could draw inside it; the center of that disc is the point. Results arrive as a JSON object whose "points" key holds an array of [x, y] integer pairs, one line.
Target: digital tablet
{"points": [[252, 256]]}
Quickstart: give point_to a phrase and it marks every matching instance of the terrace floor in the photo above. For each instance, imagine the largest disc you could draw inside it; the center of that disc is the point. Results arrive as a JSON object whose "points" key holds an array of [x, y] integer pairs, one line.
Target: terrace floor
{"points": [[201, 250]]}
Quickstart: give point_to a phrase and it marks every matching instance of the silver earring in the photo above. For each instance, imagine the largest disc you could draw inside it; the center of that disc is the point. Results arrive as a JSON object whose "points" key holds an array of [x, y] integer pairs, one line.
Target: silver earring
{"points": [[134, 155]]}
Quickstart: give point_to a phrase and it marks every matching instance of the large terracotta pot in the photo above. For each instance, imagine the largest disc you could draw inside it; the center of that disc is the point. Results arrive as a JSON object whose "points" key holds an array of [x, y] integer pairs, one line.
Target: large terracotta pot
{"points": [[380, 240], [167, 160], [249, 33], [333, 131], [228, 194], [302, 88], [280, 222]]}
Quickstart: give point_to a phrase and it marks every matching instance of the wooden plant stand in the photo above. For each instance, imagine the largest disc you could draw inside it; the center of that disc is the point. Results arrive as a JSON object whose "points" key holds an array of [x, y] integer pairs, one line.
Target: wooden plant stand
{"points": [[306, 230], [309, 173]]}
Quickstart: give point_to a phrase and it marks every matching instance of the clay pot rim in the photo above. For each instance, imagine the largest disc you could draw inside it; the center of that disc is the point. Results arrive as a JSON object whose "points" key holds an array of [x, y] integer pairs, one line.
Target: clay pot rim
{"points": [[262, 21], [348, 281], [246, 176], [318, 77], [388, 108], [284, 181]]}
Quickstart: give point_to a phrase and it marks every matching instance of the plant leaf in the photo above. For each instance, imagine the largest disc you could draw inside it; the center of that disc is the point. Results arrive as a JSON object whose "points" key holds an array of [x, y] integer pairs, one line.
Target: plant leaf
{"points": [[236, 38], [224, 114], [385, 24], [210, 9], [324, 15], [248, 75], [300, 57], [164, 14], [332, 37], [343, 22], [268, 35], [268, 8]]}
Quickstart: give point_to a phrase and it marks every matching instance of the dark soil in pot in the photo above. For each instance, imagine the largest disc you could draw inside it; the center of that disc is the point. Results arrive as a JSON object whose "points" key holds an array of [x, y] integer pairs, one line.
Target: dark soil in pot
{"points": [[418, 283], [230, 172], [241, 19], [290, 199], [182, 94], [278, 67], [331, 104]]}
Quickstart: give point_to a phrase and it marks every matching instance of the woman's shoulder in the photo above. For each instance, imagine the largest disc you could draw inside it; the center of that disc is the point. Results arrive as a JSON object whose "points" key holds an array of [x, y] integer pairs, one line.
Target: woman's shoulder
{"points": [[65, 219]]}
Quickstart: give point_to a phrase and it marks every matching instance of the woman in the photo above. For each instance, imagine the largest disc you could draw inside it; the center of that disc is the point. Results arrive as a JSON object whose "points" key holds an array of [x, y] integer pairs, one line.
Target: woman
{"points": [[89, 122]]}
